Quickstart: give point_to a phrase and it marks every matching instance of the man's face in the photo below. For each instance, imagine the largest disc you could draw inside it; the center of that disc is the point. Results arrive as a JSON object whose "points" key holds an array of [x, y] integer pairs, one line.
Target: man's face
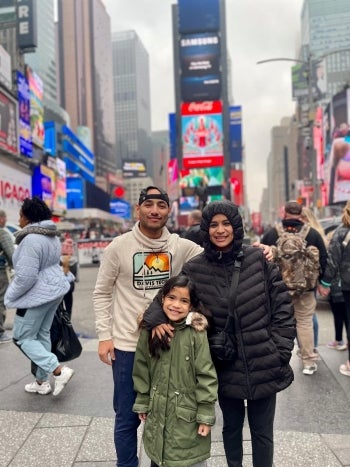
{"points": [[2, 221], [153, 215]]}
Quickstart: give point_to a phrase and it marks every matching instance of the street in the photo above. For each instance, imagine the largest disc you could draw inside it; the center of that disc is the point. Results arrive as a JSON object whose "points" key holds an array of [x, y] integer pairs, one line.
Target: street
{"points": [[312, 425]]}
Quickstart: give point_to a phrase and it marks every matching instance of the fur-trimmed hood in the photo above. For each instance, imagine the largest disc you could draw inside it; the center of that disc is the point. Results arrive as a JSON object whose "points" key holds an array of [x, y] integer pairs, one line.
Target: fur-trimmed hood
{"points": [[197, 321]]}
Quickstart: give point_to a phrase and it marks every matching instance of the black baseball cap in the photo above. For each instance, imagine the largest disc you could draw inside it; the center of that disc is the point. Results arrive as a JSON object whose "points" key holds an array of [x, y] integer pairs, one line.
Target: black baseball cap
{"points": [[163, 195]]}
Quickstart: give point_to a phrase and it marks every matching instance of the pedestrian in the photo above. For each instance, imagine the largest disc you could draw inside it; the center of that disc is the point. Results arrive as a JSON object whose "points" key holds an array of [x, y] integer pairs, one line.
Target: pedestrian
{"points": [[304, 303], [36, 290], [193, 231], [134, 267], [262, 329], [6, 252], [338, 262], [176, 382], [69, 262]]}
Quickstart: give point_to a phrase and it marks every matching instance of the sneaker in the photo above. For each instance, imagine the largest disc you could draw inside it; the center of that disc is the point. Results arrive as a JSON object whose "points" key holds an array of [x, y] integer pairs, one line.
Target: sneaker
{"points": [[345, 369], [337, 345], [5, 337], [310, 369], [62, 379], [43, 388]]}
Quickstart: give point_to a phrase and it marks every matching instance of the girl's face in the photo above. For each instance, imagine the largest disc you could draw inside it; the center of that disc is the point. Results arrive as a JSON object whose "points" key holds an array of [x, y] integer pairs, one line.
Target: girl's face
{"points": [[221, 232], [177, 303]]}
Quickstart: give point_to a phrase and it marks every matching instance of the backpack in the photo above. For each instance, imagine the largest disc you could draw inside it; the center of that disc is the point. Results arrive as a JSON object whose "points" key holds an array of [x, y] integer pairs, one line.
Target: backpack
{"points": [[299, 263]]}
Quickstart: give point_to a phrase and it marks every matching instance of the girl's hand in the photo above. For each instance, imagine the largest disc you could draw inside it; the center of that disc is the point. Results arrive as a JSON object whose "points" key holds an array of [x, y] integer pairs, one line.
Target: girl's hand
{"points": [[163, 329], [204, 430], [142, 417]]}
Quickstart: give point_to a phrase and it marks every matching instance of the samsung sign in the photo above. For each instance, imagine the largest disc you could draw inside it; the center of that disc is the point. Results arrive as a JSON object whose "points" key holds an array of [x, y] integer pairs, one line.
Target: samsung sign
{"points": [[27, 25]]}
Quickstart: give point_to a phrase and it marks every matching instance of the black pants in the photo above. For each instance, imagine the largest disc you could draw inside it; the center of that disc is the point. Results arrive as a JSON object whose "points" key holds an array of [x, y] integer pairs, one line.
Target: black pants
{"points": [[261, 414]]}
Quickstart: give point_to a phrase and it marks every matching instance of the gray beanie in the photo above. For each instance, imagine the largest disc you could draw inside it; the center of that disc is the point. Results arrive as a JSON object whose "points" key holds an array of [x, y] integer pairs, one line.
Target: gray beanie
{"points": [[230, 210]]}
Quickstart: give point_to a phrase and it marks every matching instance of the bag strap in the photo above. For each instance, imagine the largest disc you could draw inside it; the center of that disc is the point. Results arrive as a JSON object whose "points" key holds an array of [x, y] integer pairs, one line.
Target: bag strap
{"points": [[234, 285]]}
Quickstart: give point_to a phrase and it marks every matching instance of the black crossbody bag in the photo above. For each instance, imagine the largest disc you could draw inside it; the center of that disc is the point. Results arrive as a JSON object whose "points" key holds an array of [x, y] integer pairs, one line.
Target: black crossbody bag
{"points": [[222, 344]]}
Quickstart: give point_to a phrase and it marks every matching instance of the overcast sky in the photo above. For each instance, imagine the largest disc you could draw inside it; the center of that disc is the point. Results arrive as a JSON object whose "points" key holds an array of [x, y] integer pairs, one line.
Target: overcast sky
{"points": [[256, 30]]}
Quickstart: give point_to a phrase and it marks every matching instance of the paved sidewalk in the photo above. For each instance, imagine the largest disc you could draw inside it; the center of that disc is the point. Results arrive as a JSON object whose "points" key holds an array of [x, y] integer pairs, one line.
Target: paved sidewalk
{"points": [[312, 427]]}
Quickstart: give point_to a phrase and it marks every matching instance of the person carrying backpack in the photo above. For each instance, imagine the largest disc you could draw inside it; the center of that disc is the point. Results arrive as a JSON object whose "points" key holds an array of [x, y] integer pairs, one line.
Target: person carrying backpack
{"points": [[301, 255]]}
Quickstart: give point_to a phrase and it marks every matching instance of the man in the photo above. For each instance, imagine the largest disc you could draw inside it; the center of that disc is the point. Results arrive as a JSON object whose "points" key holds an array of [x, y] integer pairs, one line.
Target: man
{"points": [[133, 268], [194, 231], [305, 303], [6, 252]]}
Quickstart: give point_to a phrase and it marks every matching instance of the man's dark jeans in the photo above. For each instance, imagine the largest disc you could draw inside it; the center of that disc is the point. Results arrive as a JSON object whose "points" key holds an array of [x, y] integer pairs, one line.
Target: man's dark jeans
{"points": [[126, 421]]}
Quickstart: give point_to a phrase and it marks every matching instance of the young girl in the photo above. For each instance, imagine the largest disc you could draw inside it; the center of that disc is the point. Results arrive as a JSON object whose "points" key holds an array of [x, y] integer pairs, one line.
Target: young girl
{"points": [[176, 382]]}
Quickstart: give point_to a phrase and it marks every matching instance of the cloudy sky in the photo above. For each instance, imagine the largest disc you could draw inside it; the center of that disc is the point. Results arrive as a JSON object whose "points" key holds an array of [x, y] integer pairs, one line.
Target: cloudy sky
{"points": [[256, 30]]}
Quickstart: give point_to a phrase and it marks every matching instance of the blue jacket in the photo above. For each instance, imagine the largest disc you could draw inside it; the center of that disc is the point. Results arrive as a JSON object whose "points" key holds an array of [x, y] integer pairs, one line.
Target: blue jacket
{"points": [[38, 276]]}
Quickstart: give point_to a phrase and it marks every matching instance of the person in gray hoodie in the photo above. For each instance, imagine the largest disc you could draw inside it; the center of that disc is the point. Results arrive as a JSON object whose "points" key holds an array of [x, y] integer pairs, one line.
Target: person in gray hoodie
{"points": [[36, 290]]}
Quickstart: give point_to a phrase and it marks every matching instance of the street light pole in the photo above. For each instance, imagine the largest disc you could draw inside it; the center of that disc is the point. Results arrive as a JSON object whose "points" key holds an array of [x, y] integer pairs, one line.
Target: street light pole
{"points": [[310, 147]]}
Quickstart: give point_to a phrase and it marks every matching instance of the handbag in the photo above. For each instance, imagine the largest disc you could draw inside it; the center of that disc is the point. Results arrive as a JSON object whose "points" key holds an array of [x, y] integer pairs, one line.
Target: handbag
{"points": [[64, 341], [222, 344]]}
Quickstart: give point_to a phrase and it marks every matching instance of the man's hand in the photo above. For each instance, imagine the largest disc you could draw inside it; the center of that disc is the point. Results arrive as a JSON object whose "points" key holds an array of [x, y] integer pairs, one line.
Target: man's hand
{"points": [[323, 291], [163, 329], [106, 351], [267, 250], [204, 430]]}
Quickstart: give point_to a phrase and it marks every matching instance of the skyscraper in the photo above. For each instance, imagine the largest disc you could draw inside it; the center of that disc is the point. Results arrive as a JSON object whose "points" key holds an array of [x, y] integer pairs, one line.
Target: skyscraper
{"points": [[132, 111], [86, 75]]}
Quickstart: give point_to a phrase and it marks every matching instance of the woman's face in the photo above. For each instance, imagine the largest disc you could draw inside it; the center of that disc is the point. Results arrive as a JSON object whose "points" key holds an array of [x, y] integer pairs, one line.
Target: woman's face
{"points": [[23, 221], [221, 232]]}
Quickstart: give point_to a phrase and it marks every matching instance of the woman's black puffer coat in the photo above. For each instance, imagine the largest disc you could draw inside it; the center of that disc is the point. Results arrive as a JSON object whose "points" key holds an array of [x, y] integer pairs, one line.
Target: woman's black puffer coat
{"points": [[338, 262], [264, 322]]}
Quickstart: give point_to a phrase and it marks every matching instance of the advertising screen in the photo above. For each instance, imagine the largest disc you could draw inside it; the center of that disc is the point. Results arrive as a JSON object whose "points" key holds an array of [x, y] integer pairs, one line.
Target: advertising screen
{"points": [[134, 169], [236, 134], [8, 119], [237, 187], [172, 135], [25, 134], [202, 134], [337, 153], [200, 67], [200, 186], [36, 107], [121, 208], [60, 195], [43, 184], [75, 193], [198, 15]]}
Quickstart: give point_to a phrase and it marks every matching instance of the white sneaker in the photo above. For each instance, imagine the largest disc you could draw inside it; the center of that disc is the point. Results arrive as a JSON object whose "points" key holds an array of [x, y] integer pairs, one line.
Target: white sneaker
{"points": [[310, 370], [43, 388], [62, 379]]}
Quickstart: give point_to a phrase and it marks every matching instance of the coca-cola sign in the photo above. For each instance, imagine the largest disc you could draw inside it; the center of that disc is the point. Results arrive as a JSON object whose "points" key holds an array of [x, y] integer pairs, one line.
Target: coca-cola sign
{"points": [[200, 108], [15, 186]]}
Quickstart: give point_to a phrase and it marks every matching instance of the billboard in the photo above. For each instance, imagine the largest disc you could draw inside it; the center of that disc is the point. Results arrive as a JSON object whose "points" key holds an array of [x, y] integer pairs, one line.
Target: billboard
{"points": [[200, 67], [15, 186], [237, 186], [43, 184], [121, 208], [36, 91], [235, 134], [75, 193], [198, 15], [200, 186], [5, 68], [50, 143], [59, 203], [134, 168], [25, 133], [337, 154], [202, 134], [172, 135], [300, 80], [78, 158], [8, 123]]}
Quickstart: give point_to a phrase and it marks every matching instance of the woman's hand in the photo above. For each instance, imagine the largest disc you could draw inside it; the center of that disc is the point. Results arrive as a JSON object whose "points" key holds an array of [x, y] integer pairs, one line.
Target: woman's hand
{"points": [[163, 329]]}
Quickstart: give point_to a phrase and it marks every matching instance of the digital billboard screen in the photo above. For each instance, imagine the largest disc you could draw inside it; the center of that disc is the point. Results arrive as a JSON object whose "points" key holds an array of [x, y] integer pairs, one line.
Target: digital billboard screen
{"points": [[134, 169], [198, 15], [25, 134], [202, 134], [200, 67], [236, 134], [36, 107], [8, 123]]}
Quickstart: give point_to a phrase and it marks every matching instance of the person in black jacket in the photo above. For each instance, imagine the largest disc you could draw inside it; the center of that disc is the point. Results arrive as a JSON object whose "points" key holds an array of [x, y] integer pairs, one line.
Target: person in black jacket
{"points": [[338, 263], [304, 304], [264, 329], [194, 227]]}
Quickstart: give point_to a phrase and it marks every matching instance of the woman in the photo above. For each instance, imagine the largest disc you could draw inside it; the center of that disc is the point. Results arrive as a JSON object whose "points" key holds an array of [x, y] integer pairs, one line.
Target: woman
{"points": [[338, 262], [264, 330], [37, 288]]}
